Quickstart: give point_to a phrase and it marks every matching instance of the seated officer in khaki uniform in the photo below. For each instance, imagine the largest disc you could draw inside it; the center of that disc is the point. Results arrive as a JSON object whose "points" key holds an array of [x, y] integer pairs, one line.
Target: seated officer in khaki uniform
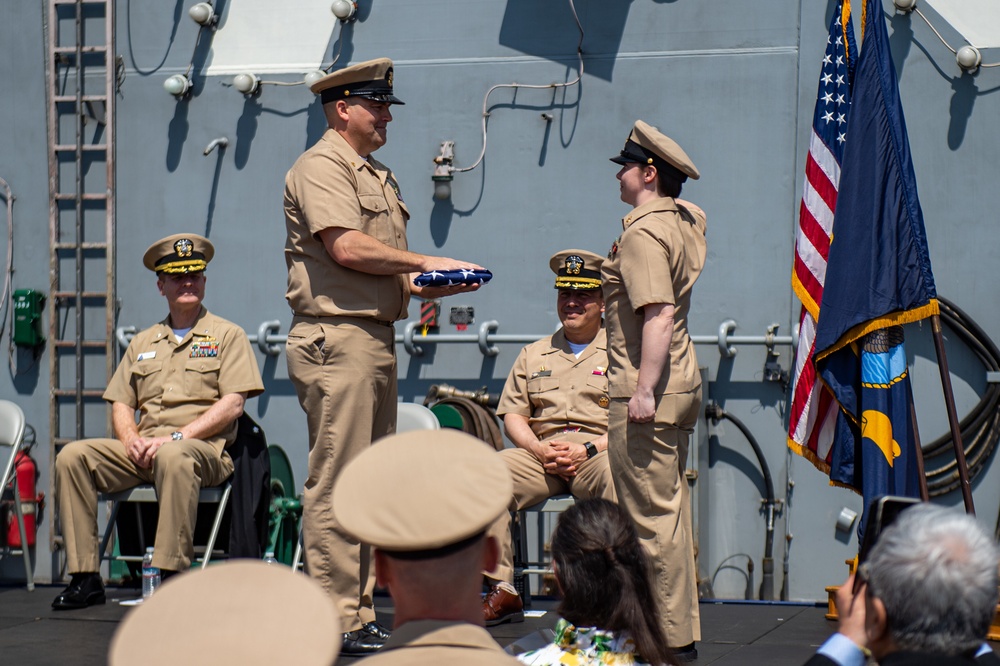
{"points": [[431, 496], [555, 410], [188, 377]]}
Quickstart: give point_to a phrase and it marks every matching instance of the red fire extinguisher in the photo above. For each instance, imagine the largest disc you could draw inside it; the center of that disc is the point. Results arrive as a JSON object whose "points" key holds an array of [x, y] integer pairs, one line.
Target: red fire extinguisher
{"points": [[27, 475]]}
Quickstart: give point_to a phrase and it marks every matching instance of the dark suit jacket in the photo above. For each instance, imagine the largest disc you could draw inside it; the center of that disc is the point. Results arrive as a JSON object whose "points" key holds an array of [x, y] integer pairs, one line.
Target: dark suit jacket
{"points": [[917, 659]]}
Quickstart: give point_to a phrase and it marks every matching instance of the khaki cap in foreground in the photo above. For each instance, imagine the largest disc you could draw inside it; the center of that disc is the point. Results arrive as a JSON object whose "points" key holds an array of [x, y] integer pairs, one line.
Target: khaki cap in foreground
{"points": [[577, 269], [180, 253], [647, 145], [371, 79], [240, 612], [422, 490]]}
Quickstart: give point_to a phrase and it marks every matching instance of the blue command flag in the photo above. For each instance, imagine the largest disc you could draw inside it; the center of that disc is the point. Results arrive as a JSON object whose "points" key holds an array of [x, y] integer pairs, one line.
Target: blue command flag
{"points": [[878, 277]]}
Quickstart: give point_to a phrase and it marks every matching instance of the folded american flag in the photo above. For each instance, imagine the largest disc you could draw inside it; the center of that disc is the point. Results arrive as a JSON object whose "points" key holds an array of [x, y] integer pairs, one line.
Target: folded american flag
{"points": [[448, 278]]}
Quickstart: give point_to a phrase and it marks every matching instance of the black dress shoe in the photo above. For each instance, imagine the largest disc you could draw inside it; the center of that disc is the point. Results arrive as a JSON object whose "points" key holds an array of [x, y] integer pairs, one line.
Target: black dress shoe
{"points": [[361, 642], [85, 589], [376, 629], [686, 652]]}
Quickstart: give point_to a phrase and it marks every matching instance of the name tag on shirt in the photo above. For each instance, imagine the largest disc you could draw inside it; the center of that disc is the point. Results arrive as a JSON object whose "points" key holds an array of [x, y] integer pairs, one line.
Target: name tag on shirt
{"points": [[145, 356]]}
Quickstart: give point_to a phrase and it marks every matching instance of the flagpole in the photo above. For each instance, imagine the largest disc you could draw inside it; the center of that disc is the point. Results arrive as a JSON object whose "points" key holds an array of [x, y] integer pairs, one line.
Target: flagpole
{"points": [[918, 455], [949, 401]]}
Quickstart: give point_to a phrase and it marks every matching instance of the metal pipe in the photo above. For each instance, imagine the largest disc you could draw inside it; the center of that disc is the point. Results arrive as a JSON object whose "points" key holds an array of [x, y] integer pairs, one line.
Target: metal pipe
{"points": [[714, 412], [221, 142], [9, 264], [78, 236], [270, 342], [949, 401]]}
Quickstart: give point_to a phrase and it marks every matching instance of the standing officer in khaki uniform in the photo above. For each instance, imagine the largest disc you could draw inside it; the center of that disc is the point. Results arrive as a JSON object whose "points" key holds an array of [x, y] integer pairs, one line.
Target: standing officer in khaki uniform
{"points": [[653, 377], [432, 495], [188, 377], [555, 410], [349, 278]]}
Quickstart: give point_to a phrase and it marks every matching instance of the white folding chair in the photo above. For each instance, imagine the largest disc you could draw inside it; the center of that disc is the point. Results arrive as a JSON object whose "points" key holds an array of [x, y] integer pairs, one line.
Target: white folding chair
{"points": [[11, 433], [412, 416], [409, 416], [523, 564], [146, 493]]}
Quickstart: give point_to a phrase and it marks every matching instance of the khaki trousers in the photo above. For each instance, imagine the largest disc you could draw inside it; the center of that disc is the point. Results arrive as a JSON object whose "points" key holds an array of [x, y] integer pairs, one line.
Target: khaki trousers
{"points": [[532, 485], [344, 372], [648, 462], [180, 469]]}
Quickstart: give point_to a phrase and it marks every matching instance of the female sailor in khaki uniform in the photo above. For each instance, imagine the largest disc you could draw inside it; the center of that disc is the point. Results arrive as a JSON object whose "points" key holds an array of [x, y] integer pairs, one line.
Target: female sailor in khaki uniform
{"points": [[653, 379]]}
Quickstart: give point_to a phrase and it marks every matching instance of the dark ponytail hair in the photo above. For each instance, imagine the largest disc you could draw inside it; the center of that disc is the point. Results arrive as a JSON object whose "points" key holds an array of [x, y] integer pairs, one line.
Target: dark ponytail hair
{"points": [[606, 578]]}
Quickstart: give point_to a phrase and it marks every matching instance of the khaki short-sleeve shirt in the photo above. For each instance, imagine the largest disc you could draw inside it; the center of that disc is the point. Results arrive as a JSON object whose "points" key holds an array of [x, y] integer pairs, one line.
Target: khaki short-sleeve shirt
{"points": [[172, 383], [657, 259], [330, 186], [558, 392]]}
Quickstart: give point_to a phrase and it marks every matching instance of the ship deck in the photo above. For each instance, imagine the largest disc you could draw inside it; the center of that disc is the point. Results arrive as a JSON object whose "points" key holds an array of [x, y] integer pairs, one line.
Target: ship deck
{"points": [[777, 634]]}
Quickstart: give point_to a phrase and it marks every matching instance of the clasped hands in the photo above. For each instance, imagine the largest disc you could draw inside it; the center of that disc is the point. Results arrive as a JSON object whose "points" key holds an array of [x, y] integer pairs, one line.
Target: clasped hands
{"points": [[561, 458], [142, 450]]}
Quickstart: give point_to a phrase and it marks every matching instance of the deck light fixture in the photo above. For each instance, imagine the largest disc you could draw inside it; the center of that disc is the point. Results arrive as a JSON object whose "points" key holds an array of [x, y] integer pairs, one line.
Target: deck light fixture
{"points": [[344, 9], [247, 83], [177, 85], [905, 6], [312, 77], [444, 171], [203, 14], [969, 58]]}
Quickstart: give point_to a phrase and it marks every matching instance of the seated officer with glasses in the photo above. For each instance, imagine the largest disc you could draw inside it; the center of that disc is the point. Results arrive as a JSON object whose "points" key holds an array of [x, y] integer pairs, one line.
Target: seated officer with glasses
{"points": [[555, 410], [188, 377], [927, 595]]}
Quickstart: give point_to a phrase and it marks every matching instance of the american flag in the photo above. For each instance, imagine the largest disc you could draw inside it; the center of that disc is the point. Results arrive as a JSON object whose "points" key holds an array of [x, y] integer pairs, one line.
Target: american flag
{"points": [[813, 411]]}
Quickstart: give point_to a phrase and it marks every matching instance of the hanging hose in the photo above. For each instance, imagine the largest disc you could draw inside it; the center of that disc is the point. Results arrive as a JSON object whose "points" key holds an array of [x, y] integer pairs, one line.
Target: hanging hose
{"points": [[714, 412], [476, 409], [980, 429]]}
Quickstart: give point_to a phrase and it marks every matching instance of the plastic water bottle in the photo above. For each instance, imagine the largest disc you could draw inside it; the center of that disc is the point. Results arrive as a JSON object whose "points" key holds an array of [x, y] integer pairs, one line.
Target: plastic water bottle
{"points": [[150, 575], [269, 557]]}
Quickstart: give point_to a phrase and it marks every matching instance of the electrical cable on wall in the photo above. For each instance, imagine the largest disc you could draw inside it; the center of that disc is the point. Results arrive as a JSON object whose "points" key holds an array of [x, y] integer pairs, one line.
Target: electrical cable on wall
{"points": [[715, 413], [968, 57], [486, 114]]}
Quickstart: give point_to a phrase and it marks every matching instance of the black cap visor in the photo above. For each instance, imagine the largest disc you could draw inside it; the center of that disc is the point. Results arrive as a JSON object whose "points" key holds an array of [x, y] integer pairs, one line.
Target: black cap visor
{"points": [[632, 153], [377, 93]]}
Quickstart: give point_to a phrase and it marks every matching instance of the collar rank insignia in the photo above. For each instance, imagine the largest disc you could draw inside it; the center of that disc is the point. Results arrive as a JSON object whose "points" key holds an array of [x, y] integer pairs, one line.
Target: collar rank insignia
{"points": [[183, 248]]}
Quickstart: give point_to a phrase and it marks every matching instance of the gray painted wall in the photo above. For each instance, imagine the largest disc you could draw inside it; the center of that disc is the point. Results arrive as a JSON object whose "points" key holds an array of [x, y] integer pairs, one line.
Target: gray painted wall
{"points": [[733, 82]]}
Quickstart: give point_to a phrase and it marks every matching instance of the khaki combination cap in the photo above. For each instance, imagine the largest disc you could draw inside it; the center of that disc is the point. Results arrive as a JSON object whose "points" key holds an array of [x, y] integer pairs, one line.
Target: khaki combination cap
{"points": [[180, 253], [238, 612], [371, 79], [425, 492], [577, 269], [647, 145]]}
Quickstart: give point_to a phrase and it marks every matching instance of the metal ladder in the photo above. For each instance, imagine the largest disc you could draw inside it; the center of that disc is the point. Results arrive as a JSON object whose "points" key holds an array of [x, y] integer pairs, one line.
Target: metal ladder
{"points": [[80, 77]]}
